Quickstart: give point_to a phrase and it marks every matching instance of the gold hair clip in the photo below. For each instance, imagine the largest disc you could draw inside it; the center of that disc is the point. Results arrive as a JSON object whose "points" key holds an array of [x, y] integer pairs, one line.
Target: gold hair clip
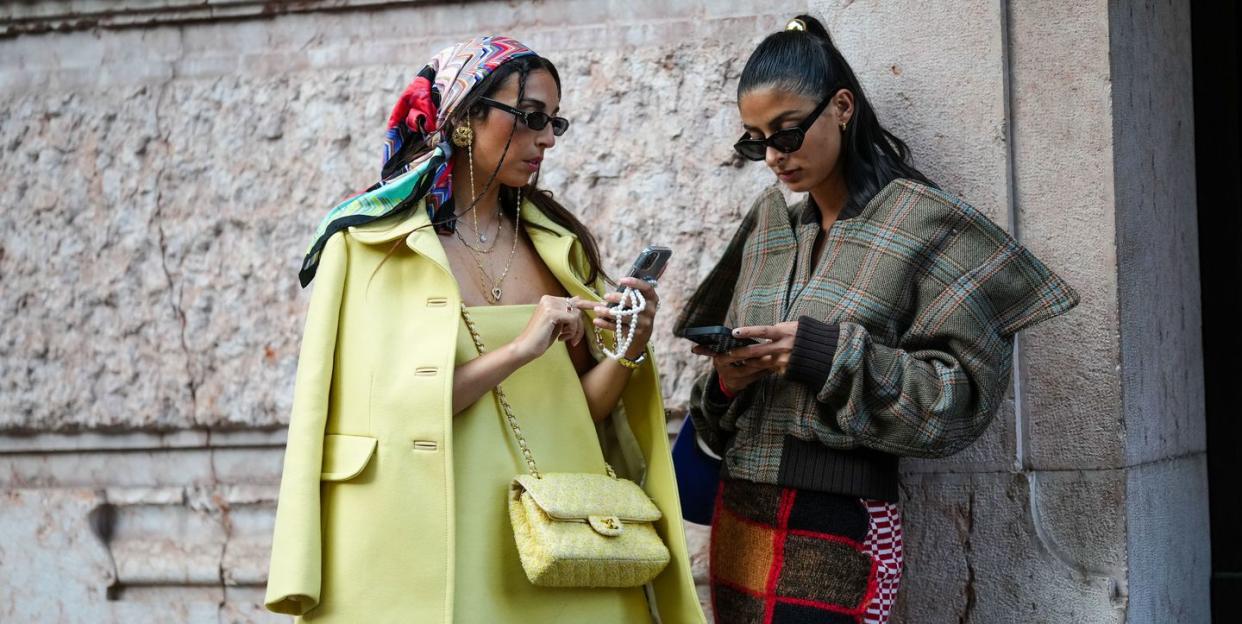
{"points": [[796, 24]]}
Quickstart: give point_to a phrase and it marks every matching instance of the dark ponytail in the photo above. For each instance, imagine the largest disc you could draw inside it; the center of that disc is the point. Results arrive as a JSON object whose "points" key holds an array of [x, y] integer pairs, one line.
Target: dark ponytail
{"points": [[806, 62]]}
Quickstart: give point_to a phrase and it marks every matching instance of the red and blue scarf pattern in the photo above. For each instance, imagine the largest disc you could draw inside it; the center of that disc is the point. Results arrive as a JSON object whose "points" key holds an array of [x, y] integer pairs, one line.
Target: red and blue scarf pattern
{"points": [[417, 155]]}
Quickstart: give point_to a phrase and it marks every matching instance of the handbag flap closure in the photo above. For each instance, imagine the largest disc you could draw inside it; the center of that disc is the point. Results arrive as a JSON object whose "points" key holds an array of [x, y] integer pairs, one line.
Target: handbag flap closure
{"points": [[580, 496], [344, 456], [609, 526]]}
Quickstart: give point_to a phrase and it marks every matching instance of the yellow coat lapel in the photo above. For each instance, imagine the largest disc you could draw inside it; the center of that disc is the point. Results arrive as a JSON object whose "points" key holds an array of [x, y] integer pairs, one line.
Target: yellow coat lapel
{"points": [[414, 225], [560, 251], [554, 243]]}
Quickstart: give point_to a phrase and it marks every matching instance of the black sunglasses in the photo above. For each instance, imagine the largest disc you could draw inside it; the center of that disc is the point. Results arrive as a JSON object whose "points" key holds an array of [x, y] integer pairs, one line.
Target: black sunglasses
{"points": [[788, 140], [534, 120]]}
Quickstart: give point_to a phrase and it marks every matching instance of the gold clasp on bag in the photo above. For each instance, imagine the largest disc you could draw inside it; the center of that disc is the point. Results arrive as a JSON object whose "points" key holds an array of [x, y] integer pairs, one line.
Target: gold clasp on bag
{"points": [[606, 525]]}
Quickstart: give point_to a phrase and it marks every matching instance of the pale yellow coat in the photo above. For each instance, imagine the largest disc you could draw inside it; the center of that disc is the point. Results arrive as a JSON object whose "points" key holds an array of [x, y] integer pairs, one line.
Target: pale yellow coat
{"points": [[364, 524]]}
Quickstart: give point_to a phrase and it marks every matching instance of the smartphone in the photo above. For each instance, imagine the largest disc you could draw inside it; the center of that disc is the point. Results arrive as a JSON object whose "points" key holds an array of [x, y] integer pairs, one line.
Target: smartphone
{"points": [[650, 263], [718, 338]]}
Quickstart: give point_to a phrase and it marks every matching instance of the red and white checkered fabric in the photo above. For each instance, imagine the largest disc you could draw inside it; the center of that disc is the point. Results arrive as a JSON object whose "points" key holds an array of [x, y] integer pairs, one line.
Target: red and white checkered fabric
{"points": [[883, 542]]}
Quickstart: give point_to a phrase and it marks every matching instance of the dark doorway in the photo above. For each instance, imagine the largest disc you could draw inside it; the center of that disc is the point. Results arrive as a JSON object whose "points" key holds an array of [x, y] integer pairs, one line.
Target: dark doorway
{"points": [[1215, 27]]}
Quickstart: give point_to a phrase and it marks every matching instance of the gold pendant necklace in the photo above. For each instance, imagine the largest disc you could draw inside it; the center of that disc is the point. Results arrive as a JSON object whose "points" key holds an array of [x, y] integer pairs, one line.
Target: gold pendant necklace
{"points": [[492, 286], [483, 237]]}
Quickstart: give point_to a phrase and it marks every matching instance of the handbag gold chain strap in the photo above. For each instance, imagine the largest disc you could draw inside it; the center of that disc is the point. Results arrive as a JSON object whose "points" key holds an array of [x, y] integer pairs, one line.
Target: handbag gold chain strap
{"points": [[503, 401]]}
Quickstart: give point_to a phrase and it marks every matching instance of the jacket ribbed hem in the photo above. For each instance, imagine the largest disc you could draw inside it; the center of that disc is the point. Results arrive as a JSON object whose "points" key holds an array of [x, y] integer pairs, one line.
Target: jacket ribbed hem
{"points": [[861, 473], [815, 344]]}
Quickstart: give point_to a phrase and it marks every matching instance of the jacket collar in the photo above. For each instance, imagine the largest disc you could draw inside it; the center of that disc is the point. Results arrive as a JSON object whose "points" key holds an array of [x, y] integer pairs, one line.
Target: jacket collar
{"points": [[554, 243], [560, 251], [391, 228]]}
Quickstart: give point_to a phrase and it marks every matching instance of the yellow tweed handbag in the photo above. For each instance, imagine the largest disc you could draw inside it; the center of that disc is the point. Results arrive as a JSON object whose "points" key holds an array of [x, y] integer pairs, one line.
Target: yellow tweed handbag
{"points": [[579, 529]]}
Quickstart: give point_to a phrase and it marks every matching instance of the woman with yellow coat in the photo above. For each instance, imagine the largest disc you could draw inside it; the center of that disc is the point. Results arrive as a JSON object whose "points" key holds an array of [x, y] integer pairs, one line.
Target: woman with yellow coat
{"points": [[392, 501]]}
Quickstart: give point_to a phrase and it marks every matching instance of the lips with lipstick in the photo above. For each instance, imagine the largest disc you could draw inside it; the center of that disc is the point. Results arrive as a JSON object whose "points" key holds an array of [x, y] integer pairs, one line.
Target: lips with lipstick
{"points": [[533, 164], [788, 175]]}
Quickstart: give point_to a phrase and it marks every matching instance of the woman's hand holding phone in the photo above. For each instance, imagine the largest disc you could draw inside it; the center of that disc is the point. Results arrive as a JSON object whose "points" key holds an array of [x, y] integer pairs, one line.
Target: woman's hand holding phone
{"points": [[743, 366], [646, 318]]}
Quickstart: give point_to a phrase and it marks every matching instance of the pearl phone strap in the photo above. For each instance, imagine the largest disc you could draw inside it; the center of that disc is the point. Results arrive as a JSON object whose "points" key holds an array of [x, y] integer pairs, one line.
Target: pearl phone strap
{"points": [[626, 314]]}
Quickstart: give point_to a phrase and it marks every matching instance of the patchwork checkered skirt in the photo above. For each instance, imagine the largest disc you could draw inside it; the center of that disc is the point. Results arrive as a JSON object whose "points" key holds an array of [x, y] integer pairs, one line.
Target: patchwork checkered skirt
{"points": [[788, 556]]}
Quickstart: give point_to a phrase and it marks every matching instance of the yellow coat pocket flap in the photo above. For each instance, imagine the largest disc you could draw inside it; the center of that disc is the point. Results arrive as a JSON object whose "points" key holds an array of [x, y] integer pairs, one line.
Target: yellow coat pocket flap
{"points": [[345, 456]]}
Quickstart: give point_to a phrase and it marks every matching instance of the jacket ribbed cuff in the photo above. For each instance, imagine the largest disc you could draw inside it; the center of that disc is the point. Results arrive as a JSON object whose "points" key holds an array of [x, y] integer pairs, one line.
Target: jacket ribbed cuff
{"points": [[715, 401], [815, 344]]}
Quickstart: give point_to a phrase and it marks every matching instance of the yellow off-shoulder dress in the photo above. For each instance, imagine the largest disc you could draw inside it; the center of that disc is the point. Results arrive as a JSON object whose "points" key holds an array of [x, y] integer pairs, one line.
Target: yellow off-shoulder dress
{"points": [[547, 398]]}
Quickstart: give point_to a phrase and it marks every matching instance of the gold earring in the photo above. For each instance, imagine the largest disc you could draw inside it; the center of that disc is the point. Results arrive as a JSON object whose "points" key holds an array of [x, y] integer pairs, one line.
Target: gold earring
{"points": [[474, 214], [843, 126], [463, 136]]}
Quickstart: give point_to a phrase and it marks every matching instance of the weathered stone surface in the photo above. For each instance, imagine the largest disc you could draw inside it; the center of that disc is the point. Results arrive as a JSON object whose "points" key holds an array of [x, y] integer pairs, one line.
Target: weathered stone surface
{"points": [[1065, 203], [1157, 233], [47, 543], [135, 554], [979, 549], [1166, 574], [192, 198], [73, 555]]}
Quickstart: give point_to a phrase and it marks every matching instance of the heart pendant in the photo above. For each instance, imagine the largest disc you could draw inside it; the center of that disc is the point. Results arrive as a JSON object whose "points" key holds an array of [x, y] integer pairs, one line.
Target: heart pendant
{"points": [[496, 295]]}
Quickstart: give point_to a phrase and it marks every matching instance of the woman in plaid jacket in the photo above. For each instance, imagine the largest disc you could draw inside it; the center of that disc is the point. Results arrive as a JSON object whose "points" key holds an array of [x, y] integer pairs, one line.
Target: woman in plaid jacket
{"points": [[885, 311]]}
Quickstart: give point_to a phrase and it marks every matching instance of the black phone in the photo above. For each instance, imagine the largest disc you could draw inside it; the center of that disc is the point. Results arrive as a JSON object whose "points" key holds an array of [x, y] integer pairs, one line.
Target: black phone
{"points": [[650, 263], [718, 338]]}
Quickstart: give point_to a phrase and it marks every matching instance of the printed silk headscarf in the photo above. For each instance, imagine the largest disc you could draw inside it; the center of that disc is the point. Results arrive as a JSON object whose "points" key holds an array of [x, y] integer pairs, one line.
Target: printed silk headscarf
{"points": [[417, 153]]}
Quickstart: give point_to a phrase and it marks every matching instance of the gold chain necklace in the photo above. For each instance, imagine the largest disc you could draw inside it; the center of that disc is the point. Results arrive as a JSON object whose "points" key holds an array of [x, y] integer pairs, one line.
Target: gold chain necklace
{"points": [[474, 215], [482, 237], [493, 286]]}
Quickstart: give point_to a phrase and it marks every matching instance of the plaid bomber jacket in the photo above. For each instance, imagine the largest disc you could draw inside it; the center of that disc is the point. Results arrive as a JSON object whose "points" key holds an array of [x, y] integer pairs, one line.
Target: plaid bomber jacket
{"points": [[904, 343]]}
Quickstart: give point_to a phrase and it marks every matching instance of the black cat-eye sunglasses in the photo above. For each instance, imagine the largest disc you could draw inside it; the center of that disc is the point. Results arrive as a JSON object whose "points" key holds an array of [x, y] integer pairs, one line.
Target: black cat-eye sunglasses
{"points": [[788, 140], [534, 120]]}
